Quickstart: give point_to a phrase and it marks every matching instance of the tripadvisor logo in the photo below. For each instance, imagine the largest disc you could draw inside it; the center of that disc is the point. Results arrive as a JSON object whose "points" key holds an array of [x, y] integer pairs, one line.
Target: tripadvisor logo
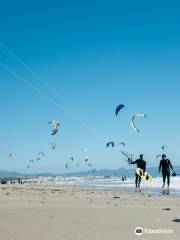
{"points": [[139, 231]]}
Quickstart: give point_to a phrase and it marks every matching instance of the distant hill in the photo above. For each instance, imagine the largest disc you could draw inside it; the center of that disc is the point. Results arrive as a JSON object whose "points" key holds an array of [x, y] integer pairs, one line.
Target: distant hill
{"points": [[103, 172], [119, 172], [4, 174]]}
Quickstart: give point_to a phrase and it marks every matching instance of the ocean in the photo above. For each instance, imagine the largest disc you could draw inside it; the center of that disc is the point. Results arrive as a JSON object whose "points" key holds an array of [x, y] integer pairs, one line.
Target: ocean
{"points": [[116, 183]]}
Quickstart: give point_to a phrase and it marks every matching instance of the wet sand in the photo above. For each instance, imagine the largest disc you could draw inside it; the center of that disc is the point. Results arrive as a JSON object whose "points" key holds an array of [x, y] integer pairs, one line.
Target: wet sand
{"points": [[54, 212]]}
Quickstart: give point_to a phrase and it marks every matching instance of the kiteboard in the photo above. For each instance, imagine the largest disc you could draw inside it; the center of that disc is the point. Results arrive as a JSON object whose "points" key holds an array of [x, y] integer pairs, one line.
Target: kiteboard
{"points": [[146, 176]]}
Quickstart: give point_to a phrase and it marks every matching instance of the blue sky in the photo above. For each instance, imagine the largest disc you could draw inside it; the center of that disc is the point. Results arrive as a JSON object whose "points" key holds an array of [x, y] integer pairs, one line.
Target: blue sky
{"points": [[94, 55]]}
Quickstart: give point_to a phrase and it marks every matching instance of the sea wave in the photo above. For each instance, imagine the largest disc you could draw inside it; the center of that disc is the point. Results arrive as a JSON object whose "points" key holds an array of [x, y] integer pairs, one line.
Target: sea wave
{"points": [[112, 182]]}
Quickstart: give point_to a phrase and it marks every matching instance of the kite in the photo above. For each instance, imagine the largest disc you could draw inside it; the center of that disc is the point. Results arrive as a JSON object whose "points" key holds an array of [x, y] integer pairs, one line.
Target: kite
{"points": [[53, 145], [119, 108], [164, 147], [110, 143], [158, 156], [12, 155], [67, 165], [55, 126], [41, 153], [122, 143], [133, 120]]}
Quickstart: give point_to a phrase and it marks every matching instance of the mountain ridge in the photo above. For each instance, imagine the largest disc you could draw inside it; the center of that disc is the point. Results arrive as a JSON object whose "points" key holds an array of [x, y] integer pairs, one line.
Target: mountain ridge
{"points": [[102, 172]]}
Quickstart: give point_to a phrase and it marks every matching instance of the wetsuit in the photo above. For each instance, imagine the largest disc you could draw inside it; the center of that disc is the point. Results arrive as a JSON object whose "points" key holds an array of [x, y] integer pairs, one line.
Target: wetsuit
{"points": [[140, 164], [165, 164]]}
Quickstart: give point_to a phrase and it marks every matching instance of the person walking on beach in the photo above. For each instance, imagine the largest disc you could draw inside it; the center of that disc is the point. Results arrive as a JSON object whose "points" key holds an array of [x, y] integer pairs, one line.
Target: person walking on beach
{"points": [[142, 165], [164, 166]]}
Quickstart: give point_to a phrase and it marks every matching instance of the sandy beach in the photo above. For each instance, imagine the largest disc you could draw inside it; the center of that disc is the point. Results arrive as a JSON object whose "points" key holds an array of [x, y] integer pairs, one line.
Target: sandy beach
{"points": [[40, 212]]}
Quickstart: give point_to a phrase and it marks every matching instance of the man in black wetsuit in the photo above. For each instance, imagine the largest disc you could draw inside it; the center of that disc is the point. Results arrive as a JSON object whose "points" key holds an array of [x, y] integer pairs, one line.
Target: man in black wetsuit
{"points": [[142, 165], [165, 165]]}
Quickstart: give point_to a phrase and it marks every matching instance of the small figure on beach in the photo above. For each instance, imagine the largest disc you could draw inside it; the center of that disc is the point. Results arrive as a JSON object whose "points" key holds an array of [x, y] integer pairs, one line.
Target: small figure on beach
{"points": [[164, 167], [142, 165]]}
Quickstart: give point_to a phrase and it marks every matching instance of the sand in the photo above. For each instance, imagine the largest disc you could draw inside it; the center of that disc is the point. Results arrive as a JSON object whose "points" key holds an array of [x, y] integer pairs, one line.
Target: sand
{"points": [[46, 212]]}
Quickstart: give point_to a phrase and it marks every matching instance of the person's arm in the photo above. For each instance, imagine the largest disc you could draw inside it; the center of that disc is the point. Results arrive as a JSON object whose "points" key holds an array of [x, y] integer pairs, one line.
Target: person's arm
{"points": [[133, 162], [160, 165], [171, 165], [145, 167]]}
